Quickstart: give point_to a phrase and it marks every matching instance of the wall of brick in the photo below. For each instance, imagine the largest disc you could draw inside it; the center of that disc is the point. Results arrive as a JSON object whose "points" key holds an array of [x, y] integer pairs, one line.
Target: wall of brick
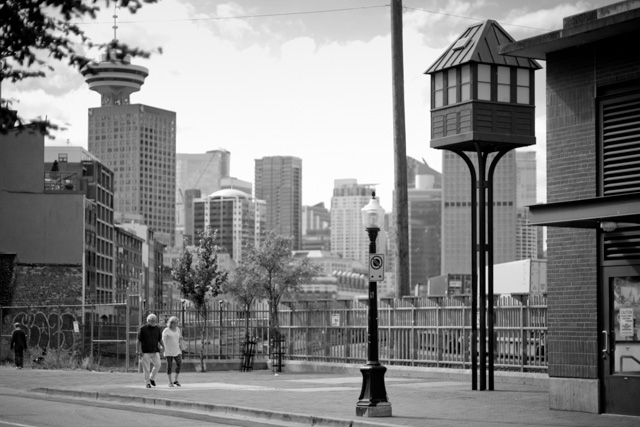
{"points": [[573, 78], [47, 284]]}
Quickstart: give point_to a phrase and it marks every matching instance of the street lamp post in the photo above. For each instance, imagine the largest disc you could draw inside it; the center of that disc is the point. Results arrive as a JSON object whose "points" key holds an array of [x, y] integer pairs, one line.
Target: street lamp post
{"points": [[373, 401]]}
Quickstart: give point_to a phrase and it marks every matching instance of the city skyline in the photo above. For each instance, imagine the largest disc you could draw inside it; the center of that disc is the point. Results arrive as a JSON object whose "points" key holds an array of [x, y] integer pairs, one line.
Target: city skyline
{"points": [[311, 80]]}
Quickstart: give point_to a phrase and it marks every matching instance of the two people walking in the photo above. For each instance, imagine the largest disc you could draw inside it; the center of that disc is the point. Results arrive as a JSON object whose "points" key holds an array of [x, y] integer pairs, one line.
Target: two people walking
{"points": [[151, 341]]}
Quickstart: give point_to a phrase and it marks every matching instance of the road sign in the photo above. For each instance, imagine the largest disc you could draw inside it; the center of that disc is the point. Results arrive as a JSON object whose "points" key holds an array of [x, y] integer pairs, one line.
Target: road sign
{"points": [[376, 267]]}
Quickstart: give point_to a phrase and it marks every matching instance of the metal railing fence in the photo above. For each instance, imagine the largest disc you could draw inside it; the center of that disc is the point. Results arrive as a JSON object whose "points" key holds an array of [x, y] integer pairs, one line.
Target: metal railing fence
{"points": [[429, 332]]}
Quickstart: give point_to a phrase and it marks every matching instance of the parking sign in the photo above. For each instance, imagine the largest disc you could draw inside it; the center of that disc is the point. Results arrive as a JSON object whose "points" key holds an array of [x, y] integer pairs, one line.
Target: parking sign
{"points": [[376, 267]]}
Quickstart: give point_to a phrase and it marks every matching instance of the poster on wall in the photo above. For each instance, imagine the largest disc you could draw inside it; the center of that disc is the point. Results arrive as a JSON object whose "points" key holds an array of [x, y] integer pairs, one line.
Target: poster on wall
{"points": [[626, 307]]}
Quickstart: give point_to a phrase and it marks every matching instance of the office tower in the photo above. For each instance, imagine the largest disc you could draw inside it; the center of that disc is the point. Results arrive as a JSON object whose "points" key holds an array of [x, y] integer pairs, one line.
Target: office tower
{"points": [[316, 228], [456, 212], [189, 229], [238, 218], [425, 222], [138, 143], [198, 171], [526, 236], [348, 236], [66, 164], [278, 181]]}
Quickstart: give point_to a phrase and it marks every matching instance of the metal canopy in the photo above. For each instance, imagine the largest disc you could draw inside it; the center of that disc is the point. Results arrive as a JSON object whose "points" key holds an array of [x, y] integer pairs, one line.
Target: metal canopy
{"points": [[587, 213]]}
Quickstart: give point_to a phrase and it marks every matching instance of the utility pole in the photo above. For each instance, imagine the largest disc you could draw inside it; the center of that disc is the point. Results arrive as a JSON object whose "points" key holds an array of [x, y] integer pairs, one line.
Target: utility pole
{"points": [[400, 198]]}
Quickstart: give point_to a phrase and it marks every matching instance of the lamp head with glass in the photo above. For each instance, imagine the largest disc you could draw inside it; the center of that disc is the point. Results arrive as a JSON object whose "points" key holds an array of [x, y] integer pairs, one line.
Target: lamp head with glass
{"points": [[372, 214]]}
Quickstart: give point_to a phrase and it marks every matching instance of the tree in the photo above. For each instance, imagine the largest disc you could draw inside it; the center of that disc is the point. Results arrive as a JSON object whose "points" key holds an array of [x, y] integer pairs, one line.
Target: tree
{"points": [[200, 283], [244, 287], [33, 29], [277, 272]]}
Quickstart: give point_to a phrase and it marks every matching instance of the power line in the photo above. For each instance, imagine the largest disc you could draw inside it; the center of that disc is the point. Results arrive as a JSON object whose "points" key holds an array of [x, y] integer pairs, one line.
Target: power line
{"points": [[310, 12], [265, 15], [468, 17]]}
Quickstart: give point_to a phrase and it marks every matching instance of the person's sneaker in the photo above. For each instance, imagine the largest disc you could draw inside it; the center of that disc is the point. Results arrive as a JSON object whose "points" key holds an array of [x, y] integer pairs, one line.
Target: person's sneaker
{"points": [[153, 383], [177, 383], [148, 385], [170, 384]]}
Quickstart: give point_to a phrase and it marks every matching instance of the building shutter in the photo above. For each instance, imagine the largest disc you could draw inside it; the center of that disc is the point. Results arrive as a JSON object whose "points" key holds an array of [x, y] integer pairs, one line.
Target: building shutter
{"points": [[621, 145], [620, 127]]}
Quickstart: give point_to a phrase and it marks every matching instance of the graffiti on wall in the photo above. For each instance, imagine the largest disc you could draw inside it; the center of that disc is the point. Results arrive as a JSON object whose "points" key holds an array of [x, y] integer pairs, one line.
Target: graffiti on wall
{"points": [[47, 329]]}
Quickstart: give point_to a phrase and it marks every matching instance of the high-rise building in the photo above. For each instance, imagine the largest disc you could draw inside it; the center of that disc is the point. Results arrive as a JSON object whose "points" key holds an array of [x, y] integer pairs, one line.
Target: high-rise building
{"points": [[137, 142], [278, 181], [348, 236], [456, 213], [238, 218], [316, 228], [198, 171], [97, 182], [527, 237], [425, 222]]}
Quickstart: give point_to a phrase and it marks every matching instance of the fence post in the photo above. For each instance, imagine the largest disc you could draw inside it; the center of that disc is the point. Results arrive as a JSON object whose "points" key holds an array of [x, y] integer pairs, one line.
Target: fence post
{"points": [[347, 330], [127, 313], [523, 337]]}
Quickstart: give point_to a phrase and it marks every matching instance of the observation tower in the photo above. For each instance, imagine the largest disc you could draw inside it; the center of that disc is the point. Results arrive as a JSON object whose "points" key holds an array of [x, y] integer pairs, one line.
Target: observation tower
{"points": [[115, 79]]}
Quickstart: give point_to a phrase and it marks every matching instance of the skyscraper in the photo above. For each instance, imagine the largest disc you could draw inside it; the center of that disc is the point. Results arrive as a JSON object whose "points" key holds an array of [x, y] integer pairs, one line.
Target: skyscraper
{"points": [[456, 213], [425, 223], [137, 142], [527, 237], [278, 181], [348, 237]]}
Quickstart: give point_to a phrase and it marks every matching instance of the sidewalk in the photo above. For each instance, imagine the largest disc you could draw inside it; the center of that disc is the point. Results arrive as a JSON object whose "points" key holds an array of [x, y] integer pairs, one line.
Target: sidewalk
{"points": [[312, 398]]}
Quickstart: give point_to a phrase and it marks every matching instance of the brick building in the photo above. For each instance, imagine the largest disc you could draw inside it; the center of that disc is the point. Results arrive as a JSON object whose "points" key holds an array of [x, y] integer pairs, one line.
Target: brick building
{"points": [[593, 209]]}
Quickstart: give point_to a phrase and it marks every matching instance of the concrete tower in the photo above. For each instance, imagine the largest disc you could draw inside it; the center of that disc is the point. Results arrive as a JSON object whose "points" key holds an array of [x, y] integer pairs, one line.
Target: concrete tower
{"points": [[137, 142]]}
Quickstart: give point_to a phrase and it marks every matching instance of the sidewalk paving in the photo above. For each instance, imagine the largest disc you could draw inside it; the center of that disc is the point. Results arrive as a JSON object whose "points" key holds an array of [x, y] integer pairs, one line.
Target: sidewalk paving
{"points": [[313, 398]]}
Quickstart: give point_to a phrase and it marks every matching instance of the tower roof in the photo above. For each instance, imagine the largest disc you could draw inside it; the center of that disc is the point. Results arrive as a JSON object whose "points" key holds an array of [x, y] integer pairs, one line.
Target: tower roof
{"points": [[115, 78], [481, 43]]}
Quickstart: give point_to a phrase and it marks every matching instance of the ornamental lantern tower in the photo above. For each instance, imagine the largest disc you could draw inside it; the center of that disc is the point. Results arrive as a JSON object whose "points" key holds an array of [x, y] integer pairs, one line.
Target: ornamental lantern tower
{"points": [[482, 107]]}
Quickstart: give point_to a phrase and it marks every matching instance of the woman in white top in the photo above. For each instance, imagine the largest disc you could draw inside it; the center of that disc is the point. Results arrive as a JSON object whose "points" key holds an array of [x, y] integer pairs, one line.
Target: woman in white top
{"points": [[171, 340]]}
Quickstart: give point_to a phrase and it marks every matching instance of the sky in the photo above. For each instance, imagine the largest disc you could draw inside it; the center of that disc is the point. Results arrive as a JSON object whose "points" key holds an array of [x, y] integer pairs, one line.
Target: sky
{"points": [[304, 78]]}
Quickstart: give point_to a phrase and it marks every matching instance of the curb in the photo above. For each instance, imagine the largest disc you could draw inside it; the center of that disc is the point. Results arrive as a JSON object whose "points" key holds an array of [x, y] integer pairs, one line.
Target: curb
{"points": [[219, 410], [398, 371]]}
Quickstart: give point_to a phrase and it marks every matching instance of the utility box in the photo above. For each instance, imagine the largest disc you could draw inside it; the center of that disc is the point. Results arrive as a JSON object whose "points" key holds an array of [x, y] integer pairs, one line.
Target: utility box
{"points": [[522, 276]]}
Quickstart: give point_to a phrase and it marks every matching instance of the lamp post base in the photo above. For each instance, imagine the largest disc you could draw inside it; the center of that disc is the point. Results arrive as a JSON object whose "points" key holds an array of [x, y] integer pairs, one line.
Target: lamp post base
{"points": [[373, 400], [382, 409]]}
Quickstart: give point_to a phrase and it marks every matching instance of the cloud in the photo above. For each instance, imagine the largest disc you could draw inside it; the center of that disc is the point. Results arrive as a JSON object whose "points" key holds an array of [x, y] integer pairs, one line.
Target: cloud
{"points": [[548, 19], [258, 89]]}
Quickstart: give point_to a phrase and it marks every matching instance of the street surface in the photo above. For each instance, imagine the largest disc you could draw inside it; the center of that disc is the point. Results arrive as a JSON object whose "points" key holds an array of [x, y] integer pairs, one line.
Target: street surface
{"points": [[19, 409]]}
